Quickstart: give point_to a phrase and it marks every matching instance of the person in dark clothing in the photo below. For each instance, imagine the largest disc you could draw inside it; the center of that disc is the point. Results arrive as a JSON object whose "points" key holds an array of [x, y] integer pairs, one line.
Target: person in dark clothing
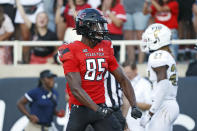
{"points": [[42, 101], [191, 70], [186, 27]]}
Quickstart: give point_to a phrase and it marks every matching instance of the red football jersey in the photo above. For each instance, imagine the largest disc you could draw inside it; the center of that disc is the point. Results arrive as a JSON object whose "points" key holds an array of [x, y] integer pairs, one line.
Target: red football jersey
{"points": [[91, 63], [170, 19]]}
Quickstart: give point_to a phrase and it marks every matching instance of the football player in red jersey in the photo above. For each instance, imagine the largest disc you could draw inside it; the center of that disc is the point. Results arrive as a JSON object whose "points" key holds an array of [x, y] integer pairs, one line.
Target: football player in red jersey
{"points": [[85, 63]]}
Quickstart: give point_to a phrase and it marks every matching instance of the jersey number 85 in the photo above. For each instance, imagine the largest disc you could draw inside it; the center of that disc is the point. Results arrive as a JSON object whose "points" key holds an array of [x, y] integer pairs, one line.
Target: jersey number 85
{"points": [[92, 65]]}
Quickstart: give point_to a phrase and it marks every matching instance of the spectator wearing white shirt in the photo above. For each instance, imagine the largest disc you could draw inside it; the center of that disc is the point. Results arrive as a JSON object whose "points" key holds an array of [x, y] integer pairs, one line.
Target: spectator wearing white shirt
{"points": [[49, 9], [32, 8], [6, 31], [142, 89]]}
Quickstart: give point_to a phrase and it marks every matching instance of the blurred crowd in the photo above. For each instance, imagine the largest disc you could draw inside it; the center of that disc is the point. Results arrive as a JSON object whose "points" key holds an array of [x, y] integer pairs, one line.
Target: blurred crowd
{"points": [[53, 20]]}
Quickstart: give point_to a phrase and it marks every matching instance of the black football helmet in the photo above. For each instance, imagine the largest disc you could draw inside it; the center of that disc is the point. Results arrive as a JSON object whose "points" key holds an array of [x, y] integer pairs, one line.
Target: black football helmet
{"points": [[91, 24]]}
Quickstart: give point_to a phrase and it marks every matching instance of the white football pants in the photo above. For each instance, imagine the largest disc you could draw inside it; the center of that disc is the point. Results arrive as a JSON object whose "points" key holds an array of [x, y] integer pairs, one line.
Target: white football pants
{"points": [[164, 118]]}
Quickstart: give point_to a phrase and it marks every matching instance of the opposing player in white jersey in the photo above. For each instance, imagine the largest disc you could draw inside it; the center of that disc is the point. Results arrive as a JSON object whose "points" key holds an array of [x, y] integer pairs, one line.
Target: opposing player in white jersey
{"points": [[162, 72]]}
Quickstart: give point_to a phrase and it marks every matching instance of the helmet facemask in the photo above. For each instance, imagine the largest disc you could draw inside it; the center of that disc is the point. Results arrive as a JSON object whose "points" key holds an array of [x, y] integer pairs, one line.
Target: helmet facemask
{"points": [[91, 24], [144, 45], [97, 31]]}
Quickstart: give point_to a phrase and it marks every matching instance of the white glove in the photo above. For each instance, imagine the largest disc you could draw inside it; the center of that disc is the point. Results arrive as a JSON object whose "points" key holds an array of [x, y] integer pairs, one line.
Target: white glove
{"points": [[145, 119]]}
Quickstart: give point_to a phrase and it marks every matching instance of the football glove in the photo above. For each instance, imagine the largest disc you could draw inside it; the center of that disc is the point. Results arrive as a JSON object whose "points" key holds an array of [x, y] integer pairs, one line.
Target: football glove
{"points": [[104, 111], [136, 113], [145, 119]]}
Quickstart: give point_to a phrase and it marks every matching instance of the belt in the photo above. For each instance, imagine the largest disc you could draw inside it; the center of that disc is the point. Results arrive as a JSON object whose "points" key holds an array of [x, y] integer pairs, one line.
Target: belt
{"points": [[44, 124], [77, 106]]}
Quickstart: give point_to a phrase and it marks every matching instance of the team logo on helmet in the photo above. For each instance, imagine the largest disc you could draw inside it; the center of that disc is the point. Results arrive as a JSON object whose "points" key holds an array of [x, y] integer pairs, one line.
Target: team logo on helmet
{"points": [[156, 32], [82, 15]]}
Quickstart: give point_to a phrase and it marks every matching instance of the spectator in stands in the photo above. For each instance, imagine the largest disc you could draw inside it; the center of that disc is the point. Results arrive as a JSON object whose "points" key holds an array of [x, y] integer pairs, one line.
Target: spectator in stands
{"points": [[39, 31], [94, 3], [8, 7], [70, 13], [42, 102], [114, 11], [6, 31], [49, 9], [59, 19], [194, 10], [186, 27], [134, 26], [31, 8], [165, 12], [191, 71]]}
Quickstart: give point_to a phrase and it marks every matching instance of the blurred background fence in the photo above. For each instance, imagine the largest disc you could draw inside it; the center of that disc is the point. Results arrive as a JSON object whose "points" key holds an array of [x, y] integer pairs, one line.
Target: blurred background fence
{"points": [[17, 46]]}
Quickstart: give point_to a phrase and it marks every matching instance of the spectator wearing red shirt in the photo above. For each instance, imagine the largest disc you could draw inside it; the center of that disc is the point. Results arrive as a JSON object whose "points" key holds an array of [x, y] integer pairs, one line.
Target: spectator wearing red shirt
{"points": [[70, 13], [116, 16], [165, 12]]}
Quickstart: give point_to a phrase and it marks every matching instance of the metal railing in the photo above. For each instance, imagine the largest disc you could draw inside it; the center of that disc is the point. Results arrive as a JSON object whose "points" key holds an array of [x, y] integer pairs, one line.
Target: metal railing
{"points": [[17, 46]]}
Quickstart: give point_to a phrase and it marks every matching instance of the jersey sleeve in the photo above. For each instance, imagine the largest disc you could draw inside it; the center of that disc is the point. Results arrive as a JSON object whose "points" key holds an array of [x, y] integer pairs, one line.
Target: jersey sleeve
{"points": [[113, 64], [158, 59], [120, 12], [68, 59], [31, 95], [7, 24], [153, 10]]}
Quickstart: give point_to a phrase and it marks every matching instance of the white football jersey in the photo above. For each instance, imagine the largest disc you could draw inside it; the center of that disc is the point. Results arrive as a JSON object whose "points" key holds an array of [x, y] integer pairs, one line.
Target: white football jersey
{"points": [[162, 58]]}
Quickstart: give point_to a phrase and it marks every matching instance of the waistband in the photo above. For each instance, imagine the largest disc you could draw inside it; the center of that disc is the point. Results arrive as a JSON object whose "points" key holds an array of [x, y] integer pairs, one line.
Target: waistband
{"points": [[169, 99], [77, 106], [44, 124]]}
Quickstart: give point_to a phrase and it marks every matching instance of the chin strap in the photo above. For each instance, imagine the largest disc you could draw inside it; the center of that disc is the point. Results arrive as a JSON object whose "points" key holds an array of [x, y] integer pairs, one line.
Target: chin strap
{"points": [[107, 38]]}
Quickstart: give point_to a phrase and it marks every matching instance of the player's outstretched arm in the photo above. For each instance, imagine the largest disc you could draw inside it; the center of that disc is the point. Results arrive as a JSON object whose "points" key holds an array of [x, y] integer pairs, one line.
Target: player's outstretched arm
{"points": [[161, 89], [125, 84], [74, 81]]}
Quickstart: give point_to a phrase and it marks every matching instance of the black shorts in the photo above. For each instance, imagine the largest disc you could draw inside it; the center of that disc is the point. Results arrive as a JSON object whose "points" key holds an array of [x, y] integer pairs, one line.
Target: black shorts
{"points": [[121, 119], [81, 117]]}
